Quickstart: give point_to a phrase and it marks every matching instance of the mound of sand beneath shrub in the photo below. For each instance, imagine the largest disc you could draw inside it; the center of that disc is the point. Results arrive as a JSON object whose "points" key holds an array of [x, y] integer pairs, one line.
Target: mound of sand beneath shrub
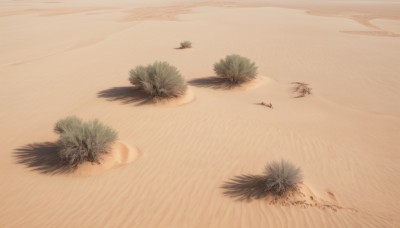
{"points": [[120, 154], [186, 98]]}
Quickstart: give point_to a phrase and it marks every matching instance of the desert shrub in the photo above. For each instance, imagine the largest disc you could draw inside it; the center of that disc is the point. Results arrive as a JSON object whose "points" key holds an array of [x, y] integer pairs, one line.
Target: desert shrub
{"points": [[83, 141], [302, 89], [186, 44], [158, 80], [236, 69], [281, 177]]}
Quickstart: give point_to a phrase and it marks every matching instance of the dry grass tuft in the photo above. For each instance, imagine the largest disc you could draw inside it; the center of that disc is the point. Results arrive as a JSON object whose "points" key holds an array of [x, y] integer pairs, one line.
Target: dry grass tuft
{"points": [[302, 89]]}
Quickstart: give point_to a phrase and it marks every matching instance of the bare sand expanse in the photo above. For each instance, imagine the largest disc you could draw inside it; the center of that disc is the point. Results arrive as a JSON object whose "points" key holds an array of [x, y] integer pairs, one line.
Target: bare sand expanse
{"points": [[60, 58]]}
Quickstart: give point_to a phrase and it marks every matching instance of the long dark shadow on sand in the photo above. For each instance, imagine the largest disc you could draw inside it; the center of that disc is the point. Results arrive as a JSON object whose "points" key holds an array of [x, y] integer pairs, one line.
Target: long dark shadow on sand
{"points": [[126, 95], [245, 187], [211, 82], [41, 157]]}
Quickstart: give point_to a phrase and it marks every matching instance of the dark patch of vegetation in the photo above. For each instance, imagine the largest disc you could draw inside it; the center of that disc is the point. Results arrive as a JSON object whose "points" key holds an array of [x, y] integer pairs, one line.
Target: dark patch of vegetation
{"points": [[268, 105], [81, 142], [236, 69], [186, 44], [279, 178], [302, 89], [158, 80]]}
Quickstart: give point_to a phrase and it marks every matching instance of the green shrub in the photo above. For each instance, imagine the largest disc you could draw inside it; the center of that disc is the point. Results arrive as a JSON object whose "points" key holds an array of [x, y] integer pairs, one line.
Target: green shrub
{"points": [[158, 80], [236, 69], [186, 44], [281, 177], [83, 141]]}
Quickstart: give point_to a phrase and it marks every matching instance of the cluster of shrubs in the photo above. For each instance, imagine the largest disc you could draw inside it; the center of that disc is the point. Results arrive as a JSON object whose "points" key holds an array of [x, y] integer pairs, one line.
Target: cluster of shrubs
{"points": [[81, 141], [162, 80]]}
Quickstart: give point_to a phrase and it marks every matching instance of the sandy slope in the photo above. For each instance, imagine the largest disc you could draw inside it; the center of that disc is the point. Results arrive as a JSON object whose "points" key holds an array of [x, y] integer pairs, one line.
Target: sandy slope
{"points": [[58, 59]]}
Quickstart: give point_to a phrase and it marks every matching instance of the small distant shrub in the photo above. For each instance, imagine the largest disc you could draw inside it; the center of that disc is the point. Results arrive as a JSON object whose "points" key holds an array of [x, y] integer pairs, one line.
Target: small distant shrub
{"points": [[302, 89], [186, 44], [83, 141], [268, 105], [158, 80], [281, 177], [236, 69]]}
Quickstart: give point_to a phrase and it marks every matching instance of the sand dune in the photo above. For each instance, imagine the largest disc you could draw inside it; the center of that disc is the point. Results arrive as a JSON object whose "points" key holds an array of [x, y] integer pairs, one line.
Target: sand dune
{"points": [[73, 58]]}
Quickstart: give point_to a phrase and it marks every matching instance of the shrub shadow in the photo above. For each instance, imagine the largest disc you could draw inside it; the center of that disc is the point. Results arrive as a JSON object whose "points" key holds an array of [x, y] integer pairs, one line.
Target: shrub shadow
{"points": [[42, 157], [126, 94], [245, 187], [212, 82]]}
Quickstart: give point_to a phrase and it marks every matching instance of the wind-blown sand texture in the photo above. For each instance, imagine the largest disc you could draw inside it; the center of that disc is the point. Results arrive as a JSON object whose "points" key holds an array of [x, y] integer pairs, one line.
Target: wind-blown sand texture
{"points": [[60, 58]]}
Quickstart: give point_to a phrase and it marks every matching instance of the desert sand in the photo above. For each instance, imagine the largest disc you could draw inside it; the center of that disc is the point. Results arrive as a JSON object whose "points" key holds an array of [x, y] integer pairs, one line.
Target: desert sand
{"points": [[61, 58]]}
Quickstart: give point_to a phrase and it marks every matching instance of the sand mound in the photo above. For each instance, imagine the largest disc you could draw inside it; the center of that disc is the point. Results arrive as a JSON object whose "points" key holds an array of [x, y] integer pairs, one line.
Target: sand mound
{"points": [[184, 99], [252, 187], [121, 154], [304, 197], [253, 84]]}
